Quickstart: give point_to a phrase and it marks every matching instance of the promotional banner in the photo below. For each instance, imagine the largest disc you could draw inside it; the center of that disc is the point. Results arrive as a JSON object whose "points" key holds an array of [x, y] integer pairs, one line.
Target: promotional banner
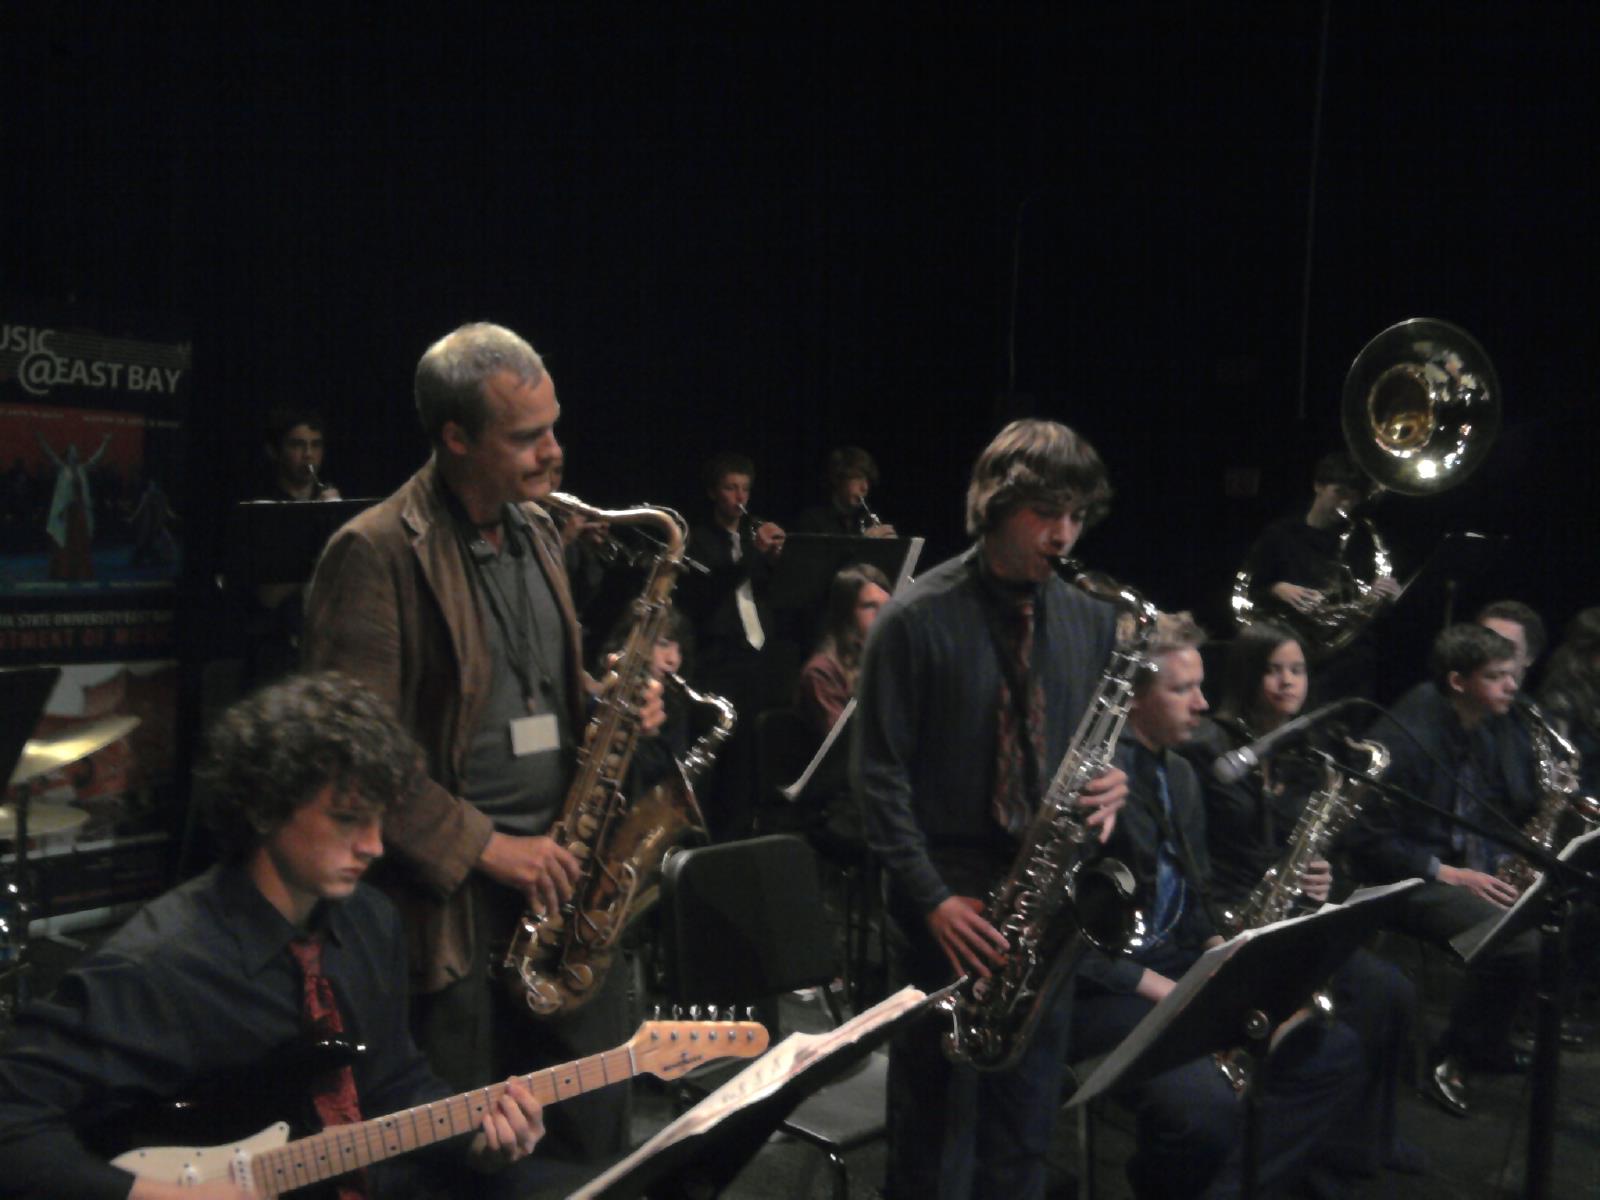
{"points": [[91, 553]]}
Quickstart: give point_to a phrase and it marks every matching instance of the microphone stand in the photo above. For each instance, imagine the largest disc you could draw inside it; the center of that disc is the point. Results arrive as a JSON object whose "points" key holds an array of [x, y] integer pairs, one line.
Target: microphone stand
{"points": [[1560, 883]]}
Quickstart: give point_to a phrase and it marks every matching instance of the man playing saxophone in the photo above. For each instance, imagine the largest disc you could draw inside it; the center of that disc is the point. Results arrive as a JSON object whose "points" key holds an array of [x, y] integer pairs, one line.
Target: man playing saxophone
{"points": [[450, 601], [1440, 736], [972, 682], [1190, 1119]]}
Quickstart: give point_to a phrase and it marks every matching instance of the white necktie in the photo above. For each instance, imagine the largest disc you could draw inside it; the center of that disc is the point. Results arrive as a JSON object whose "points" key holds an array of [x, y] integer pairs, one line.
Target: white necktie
{"points": [[745, 599]]}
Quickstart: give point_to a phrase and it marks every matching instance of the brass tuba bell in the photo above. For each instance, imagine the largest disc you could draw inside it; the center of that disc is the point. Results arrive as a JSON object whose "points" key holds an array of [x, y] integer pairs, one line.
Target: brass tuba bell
{"points": [[1421, 407]]}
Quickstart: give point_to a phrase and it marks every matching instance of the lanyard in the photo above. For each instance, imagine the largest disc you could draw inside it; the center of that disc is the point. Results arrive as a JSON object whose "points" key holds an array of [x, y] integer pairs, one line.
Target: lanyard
{"points": [[518, 631]]}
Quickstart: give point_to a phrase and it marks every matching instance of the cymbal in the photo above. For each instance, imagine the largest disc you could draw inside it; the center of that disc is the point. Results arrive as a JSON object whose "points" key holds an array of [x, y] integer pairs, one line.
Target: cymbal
{"points": [[43, 819], [40, 756]]}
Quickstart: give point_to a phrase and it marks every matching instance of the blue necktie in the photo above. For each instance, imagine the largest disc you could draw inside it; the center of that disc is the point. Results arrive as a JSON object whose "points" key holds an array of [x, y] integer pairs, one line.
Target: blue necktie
{"points": [[1169, 878]]}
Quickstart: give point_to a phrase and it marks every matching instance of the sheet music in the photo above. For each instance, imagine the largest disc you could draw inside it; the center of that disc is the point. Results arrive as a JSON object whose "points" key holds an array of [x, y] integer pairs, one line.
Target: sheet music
{"points": [[795, 789], [1466, 944], [1197, 977], [913, 552], [785, 1061], [792, 792]]}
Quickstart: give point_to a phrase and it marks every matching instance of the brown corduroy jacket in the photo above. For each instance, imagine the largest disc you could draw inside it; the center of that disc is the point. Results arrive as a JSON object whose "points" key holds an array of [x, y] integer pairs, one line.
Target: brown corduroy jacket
{"points": [[391, 604]]}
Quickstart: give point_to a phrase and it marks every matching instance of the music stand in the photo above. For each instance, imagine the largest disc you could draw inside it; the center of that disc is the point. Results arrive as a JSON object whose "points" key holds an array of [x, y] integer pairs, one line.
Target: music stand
{"points": [[1237, 993], [802, 573], [272, 541], [1458, 556], [1545, 905], [703, 1150], [23, 694]]}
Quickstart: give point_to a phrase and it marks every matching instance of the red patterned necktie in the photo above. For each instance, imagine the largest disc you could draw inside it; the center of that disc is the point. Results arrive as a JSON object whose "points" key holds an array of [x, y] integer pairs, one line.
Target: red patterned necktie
{"points": [[1011, 804], [335, 1095]]}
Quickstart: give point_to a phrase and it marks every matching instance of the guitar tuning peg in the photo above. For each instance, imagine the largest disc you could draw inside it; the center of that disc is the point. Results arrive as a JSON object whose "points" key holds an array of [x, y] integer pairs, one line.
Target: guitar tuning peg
{"points": [[711, 1013], [750, 1012], [694, 1012], [677, 1013], [657, 1016]]}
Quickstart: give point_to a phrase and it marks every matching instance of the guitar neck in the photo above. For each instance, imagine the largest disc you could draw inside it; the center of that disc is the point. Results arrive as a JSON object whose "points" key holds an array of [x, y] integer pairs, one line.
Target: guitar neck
{"points": [[342, 1148]]}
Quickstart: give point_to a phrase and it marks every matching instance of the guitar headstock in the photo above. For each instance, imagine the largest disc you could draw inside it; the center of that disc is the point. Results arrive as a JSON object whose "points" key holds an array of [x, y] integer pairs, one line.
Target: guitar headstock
{"points": [[667, 1049]]}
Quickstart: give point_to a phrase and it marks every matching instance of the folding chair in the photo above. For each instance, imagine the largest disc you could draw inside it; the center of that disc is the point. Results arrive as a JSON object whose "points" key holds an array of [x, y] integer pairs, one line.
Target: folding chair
{"points": [[743, 923]]}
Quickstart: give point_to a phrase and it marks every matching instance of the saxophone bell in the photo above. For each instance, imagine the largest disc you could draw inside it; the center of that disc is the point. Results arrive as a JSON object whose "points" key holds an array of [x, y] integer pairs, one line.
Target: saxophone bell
{"points": [[556, 961]]}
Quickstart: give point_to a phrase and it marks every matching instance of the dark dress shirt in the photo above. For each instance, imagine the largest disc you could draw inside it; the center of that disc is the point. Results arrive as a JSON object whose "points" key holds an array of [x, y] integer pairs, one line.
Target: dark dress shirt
{"points": [[1247, 823], [1291, 551], [1136, 842], [197, 984], [710, 597], [1428, 746], [923, 748]]}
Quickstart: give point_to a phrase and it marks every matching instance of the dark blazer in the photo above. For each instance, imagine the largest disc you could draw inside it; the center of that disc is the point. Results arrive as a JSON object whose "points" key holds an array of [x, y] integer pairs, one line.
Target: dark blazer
{"points": [[1426, 741]]}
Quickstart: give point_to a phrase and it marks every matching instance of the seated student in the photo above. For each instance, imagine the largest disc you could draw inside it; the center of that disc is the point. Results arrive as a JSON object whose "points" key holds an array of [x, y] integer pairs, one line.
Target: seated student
{"points": [[1570, 698], [850, 476], [828, 679], [1442, 749], [670, 656], [220, 977], [294, 448], [1248, 828], [1303, 560], [1190, 1122], [1519, 625], [734, 627], [1570, 694]]}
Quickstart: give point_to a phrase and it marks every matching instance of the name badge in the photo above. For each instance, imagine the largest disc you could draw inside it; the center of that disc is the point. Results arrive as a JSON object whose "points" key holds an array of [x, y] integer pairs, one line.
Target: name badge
{"points": [[535, 735]]}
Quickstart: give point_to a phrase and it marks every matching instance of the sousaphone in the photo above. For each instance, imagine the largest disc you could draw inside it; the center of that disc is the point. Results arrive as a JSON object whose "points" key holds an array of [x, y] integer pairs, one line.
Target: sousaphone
{"points": [[1421, 409]]}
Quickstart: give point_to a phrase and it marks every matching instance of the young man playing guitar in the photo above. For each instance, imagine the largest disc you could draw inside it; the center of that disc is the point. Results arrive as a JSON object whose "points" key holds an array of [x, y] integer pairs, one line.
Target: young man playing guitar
{"points": [[221, 976]]}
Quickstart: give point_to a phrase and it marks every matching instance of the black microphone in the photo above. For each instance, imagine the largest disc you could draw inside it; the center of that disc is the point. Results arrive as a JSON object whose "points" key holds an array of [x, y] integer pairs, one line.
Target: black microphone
{"points": [[1236, 764]]}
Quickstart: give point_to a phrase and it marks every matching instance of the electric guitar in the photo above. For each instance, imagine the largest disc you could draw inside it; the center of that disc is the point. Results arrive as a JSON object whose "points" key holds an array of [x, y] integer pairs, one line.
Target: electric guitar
{"points": [[269, 1164]]}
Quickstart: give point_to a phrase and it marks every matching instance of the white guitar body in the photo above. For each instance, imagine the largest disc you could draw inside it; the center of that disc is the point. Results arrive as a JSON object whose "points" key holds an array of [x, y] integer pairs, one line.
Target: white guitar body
{"points": [[190, 1166], [268, 1164]]}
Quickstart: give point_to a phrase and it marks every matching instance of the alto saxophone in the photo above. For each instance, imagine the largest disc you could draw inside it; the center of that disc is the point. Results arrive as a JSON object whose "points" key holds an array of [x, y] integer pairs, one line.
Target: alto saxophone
{"points": [[557, 960], [1556, 762], [1327, 814], [1053, 904]]}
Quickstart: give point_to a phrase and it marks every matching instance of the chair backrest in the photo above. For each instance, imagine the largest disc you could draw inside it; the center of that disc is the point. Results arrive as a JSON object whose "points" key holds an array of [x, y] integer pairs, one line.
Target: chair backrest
{"points": [[744, 922]]}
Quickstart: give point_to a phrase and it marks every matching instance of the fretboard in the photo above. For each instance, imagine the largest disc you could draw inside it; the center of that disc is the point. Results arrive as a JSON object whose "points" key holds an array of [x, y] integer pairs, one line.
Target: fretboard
{"points": [[343, 1148]]}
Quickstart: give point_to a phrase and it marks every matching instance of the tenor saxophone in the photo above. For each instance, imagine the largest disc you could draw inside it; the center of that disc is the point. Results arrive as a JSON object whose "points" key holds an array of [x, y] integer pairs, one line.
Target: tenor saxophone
{"points": [[1054, 905], [557, 960]]}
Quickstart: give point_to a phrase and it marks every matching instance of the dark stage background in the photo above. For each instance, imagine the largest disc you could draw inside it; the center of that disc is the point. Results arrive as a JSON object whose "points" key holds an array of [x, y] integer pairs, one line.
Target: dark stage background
{"points": [[1171, 227]]}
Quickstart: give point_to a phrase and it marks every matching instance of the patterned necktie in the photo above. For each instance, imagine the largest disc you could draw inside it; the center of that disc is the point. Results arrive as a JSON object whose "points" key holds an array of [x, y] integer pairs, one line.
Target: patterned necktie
{"points": [[1011, 804], [335, 1095], [1169, 878]]}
